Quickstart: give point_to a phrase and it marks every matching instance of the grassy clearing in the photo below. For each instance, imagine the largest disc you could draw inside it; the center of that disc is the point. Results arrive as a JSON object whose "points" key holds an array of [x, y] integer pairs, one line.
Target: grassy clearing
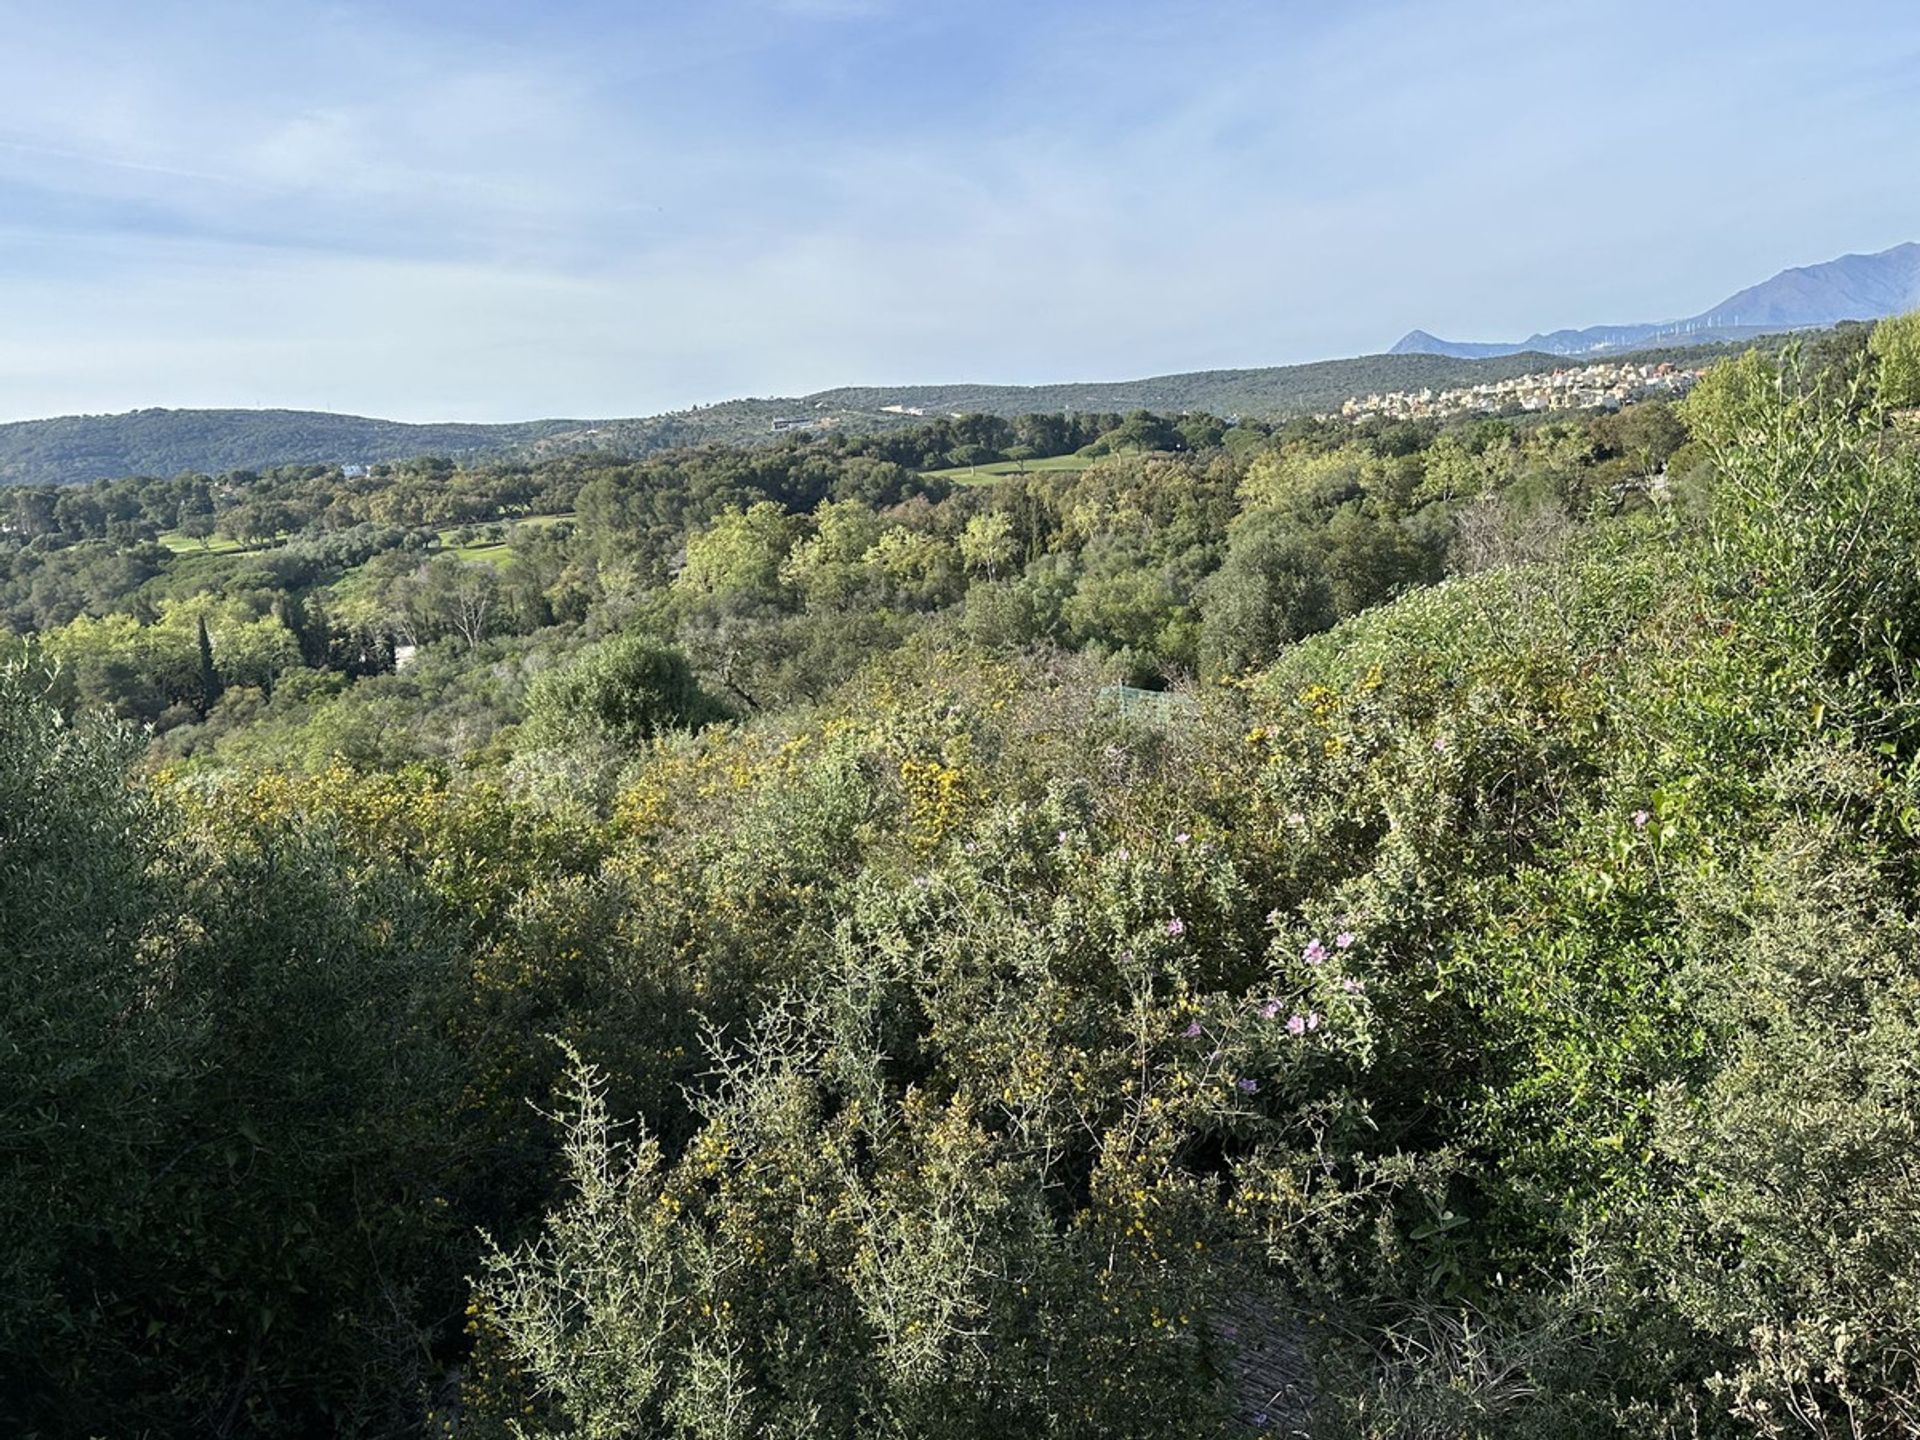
{"points": [[186, 545], [494, 552], [490, 552], [987, 474]]}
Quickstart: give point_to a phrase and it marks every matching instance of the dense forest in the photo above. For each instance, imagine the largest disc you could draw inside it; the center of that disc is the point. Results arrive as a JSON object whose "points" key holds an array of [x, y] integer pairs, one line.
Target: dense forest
{"points": [[1208, 929]]}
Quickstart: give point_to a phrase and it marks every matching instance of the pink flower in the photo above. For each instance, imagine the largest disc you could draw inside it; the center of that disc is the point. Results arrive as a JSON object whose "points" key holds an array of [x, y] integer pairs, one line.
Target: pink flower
{"points": [[1296, 1025], [1270, 1009], [1640, 819], [1182, 838], [1314, 953], [1313, 1020], [1123, 854], [1192, 1032], [1353, 986], [1439, 744], [1062, 837], [1296, 818], [1246, 1086], [1176, 927], [1344, 940]]}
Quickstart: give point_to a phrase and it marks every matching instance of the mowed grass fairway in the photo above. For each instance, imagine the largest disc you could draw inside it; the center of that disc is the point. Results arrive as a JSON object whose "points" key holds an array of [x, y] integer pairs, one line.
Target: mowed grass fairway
{"points": [[489, 552], [493, 552], [987, 474], [186, 545]]}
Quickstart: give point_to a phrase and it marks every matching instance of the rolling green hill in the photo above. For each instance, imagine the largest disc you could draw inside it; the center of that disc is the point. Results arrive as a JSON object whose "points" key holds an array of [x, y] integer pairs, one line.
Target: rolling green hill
{"points": [[78, 448], [1270, 393]]}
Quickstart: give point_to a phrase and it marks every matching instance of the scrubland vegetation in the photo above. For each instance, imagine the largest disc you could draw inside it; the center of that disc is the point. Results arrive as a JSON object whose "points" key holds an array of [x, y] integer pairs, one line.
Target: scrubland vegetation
{"points": [[748, 975]]}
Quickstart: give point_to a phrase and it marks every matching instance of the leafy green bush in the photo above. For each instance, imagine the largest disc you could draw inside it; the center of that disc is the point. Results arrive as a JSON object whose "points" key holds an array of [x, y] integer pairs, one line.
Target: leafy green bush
{"points": [[229, 1074], [618, 692]]}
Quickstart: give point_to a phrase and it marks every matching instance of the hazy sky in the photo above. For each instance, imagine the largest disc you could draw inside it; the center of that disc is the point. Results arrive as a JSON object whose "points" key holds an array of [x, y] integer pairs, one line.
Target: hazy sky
{"points": [[494, 209]]}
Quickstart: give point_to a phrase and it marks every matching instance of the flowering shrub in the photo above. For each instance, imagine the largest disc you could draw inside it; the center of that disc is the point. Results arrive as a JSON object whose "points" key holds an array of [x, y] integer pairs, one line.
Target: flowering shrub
{"points": [[1500, 1008]]}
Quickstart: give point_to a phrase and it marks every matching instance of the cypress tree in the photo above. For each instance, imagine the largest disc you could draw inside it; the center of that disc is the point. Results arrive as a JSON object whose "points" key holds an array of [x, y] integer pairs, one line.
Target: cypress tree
{"points": [[210, 686]]}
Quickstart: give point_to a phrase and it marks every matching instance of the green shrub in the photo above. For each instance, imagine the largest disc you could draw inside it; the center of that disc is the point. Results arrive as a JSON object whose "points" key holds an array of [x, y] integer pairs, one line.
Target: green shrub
{"points": [[618, 692]]}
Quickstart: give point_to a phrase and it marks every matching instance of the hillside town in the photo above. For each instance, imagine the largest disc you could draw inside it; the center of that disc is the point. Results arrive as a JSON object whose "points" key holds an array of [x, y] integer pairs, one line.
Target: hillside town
{"points": [[1589, 387]]}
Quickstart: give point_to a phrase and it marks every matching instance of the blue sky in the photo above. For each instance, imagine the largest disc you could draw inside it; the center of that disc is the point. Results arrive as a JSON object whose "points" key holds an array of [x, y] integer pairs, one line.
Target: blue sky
{"points": [[475, 209]]}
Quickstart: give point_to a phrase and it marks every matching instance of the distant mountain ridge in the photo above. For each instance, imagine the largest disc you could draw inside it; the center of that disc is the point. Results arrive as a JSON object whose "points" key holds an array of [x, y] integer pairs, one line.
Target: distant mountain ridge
{"points": [[1853, 287]]}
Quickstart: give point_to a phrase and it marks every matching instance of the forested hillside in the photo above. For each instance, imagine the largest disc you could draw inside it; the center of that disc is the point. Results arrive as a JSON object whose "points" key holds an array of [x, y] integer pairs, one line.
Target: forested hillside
{"points": [[79, 448], [720, 944]]}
